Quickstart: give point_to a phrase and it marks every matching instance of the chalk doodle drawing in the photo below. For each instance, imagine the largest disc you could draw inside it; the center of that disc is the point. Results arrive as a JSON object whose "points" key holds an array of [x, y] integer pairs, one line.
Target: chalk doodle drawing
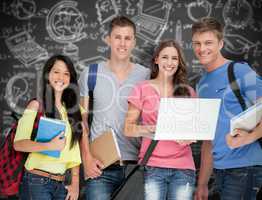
{"points": [[257, 3], [65, 24], [142, 55], [256, 25], [256, 22], [23, 9], [152, 19], [102, 49], [178, 35], [126, 6], [238, 45], [129, 9], [106, 10], [237, 13], [19, 88], [219, 4], [198, 9], [25, 49], [3, 81], [6, 32]]}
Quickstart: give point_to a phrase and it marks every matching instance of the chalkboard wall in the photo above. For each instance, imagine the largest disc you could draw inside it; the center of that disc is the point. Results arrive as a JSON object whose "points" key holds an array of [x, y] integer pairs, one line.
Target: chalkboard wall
{"points": [[33, 30]]}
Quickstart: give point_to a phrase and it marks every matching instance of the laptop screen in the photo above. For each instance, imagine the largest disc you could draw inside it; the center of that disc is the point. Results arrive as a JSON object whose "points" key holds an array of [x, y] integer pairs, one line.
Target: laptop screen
{"points": [[187, 119], [15, 40], [156, 9]]}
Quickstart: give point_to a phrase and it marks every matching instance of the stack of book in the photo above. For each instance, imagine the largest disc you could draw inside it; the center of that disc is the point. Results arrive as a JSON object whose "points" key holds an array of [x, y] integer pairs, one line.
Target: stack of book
{"points": [[48, 129]]}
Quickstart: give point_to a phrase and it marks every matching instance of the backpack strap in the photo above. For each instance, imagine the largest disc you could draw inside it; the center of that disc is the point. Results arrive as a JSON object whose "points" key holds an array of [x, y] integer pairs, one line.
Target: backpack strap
{"points": [[91, 83], [149, 151], [92, 77], [147, 155], [33, 136], [36, 122], [38, 115], [234, 86]]}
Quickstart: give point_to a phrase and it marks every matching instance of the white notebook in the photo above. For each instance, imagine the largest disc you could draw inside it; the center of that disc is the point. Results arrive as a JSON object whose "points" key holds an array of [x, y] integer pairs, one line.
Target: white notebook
{"points": [[187, 119], [248, 119]]}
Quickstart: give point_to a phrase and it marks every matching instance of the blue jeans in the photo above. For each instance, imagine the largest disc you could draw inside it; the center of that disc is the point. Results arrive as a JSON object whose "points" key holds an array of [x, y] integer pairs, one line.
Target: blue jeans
{"points": [[238, 183], [169, 184], [35, 187], [102, 187]]}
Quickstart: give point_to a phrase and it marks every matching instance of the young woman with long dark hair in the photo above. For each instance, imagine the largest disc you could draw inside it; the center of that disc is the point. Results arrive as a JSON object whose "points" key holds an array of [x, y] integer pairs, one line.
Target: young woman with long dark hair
{"points": [[44, 175]]}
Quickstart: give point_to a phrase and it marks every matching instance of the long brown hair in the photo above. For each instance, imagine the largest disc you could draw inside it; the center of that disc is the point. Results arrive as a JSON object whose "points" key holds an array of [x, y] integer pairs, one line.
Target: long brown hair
{"points": [[180, 77]]}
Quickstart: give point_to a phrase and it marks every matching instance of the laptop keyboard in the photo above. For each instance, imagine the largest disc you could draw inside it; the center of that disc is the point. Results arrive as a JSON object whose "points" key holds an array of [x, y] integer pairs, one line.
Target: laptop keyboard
{"points": [[28, 51], [148, 26]]}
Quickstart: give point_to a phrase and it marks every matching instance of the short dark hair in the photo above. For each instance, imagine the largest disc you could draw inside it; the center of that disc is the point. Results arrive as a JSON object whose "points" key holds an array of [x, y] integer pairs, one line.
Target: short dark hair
{"points": [[208, 24], [121, 21]]}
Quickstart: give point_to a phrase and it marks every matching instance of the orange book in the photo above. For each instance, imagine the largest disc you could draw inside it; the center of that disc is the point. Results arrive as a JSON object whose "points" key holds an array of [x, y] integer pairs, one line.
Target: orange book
{"points": [[105, 148]]}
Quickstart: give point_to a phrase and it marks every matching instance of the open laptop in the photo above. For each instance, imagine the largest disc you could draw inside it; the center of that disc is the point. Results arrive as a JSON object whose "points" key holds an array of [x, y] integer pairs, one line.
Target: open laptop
{"points": [[25, 49], [187, 119], [152, 19]]}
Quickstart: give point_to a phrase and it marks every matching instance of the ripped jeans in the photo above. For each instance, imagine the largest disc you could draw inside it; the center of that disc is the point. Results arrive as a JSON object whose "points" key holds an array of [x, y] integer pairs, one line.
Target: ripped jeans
{"points": [[238, 183], [168, 183]]}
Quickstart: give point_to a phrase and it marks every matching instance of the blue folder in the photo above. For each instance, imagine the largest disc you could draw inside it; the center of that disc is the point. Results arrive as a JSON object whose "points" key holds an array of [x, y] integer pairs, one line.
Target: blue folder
{"points": [[49, 128]]}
